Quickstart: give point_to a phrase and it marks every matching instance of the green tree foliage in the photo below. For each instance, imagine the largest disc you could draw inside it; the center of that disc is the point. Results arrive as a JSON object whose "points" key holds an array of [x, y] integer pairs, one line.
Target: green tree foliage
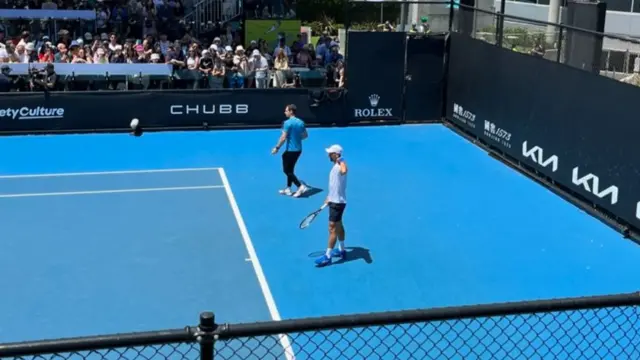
{"points": [[331, 15]]}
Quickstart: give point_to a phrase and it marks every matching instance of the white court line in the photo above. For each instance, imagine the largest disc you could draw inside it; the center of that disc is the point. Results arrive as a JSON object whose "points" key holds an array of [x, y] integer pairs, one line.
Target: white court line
{"points": [[285, 342], [95, 173], [119, 191]]}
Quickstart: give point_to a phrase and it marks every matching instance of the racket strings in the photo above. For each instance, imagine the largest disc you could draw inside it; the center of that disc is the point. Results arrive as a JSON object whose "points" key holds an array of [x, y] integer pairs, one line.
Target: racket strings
{"points": [[307, 221]]}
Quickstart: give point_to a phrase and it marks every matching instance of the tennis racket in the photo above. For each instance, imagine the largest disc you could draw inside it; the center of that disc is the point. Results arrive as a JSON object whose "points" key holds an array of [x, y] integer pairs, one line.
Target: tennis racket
{"points": [[309, 218]]}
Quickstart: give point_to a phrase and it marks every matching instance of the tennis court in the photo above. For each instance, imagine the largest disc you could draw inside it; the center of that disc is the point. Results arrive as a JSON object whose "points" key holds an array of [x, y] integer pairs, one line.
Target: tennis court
{"points": [[163, 227]]}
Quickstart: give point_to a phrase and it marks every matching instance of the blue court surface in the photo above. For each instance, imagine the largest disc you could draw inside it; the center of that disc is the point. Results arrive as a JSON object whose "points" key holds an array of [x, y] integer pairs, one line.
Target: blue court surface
{"points": [[111, 233]]}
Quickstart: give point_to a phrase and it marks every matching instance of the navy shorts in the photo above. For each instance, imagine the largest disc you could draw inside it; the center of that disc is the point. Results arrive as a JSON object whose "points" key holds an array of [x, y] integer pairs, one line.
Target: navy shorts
{"points": [[335, 211]]}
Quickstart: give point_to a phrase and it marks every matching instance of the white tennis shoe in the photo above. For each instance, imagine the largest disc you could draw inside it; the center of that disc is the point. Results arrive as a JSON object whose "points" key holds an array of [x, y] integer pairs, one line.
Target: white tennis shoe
{"points": [[286, 191], [301, 190]]}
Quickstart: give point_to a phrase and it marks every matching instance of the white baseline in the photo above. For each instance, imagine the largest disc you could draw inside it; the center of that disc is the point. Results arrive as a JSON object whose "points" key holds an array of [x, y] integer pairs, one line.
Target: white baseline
{"points": [[115, 191], [285, 342], [98, 173]]}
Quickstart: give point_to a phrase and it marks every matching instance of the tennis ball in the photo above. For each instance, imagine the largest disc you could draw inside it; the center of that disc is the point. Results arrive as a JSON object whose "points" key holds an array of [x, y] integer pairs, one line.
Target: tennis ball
{"points": [[134, 123]]}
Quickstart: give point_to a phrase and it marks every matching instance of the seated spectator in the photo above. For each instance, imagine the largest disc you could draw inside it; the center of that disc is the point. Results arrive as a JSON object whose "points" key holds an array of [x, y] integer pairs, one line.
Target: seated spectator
{"points": [[297, 45], [117, 57], [332, 56], [282, 46], [324, 44], [140, 55], [193, 58], [252, 46], [20, 55], [218, 74], [155, 58], [312, 51], [240, 68], [113, 42], [227, 60], [206, 67], [305, 58], [79, 57], [61, 56], [101, 57], [46, 54]]}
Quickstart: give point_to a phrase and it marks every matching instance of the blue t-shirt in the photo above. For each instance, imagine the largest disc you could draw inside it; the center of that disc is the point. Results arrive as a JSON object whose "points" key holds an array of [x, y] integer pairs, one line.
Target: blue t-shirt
{"points": [[294, 128]]}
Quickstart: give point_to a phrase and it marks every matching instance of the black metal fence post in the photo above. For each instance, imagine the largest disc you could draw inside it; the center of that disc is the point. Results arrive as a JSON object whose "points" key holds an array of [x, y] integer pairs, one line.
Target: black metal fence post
{"points": [[452, 5], [500, 29], [205, 335], [560, 35]]}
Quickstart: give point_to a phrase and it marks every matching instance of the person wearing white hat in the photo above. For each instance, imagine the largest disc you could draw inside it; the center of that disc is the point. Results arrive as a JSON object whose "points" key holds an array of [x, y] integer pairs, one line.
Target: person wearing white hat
{"points": [[259, 67], [337, 202]]}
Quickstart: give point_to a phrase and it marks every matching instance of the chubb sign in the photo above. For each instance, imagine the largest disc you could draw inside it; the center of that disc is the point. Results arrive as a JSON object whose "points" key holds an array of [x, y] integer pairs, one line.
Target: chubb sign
{"points": [[374, 111]]}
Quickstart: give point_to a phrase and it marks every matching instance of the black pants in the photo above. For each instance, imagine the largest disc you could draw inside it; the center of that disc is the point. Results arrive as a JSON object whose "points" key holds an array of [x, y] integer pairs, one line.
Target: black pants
{"points": [[289, 160]]}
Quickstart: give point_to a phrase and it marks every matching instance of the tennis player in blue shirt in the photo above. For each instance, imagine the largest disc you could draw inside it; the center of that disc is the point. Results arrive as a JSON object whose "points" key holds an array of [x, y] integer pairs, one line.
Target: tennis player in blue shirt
{"points": [[293, 133]]}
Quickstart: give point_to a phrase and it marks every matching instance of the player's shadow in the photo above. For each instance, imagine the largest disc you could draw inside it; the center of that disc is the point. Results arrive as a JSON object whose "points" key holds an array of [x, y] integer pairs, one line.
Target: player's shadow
{"points": [[310, 192], [354, 253]]}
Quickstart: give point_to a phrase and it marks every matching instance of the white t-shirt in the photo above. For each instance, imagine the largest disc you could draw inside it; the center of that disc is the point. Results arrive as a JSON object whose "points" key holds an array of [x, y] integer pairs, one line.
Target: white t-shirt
{"points": [[337, 186]]}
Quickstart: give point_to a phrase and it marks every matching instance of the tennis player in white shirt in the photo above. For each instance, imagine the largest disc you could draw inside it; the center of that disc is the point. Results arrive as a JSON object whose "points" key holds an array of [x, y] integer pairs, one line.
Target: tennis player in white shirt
{"points": [[337, 202]]}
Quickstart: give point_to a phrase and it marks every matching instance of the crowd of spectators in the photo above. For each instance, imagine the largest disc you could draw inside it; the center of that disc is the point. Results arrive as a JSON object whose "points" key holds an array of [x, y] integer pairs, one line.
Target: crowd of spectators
{"points": [[267, 9], [154, 31]]}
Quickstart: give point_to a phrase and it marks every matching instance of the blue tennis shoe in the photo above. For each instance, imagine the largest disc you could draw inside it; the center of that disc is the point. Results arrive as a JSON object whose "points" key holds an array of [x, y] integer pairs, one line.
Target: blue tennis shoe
{"points": [[341, 254], [323, 260]]}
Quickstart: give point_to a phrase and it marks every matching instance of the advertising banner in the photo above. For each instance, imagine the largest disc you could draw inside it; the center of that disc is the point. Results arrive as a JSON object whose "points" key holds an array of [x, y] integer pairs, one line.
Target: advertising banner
{"points": [[32, 112], [575, 127], [376, 75], [86, 111]]}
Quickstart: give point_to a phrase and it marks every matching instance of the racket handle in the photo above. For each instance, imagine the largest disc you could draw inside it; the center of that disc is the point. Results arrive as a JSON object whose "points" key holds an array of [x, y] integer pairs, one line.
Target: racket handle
{"points": [[323, 206]]}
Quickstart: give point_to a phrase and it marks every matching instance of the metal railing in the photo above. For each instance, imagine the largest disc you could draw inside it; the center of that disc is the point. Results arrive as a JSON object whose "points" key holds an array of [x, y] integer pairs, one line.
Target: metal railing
{"points": [[206, 13], [600, 327], [556, 42]]}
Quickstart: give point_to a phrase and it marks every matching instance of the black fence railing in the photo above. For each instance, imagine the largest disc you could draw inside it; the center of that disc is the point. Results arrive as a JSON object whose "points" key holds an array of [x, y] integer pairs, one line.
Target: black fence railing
{"points": [[601, 327], [607, 54]]}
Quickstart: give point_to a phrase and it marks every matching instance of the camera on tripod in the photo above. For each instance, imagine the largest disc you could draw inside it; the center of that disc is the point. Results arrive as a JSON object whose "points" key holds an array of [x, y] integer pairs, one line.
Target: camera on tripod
{"points": [[35, 73]]}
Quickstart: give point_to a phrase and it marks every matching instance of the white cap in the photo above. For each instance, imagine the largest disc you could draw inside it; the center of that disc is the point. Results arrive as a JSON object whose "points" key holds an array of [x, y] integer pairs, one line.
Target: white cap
{"points": [[334, 149]]}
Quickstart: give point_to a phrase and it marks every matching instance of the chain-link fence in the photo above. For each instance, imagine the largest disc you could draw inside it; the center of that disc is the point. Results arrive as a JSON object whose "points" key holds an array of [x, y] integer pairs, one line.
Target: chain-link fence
{"points": [[580, 328], [609, 333], [179, 351]]}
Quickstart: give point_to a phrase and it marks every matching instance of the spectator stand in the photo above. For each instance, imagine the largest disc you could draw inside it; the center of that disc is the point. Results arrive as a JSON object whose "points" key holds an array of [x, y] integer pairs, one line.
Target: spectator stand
{"points": [[100, 76], [41, 25]]}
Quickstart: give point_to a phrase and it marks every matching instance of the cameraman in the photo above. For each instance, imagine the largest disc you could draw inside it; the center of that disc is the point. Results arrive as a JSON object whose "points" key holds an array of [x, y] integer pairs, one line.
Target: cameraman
{"points": [[44, 80], [5, 81]]}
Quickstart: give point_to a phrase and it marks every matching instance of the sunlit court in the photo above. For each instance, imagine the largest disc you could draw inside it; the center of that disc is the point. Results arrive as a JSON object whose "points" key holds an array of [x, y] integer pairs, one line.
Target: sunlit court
{"points": [[112, 233]]}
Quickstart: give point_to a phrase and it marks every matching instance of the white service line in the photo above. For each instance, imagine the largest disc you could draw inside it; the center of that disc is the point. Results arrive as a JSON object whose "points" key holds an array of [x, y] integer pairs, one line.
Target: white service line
{"points": [[95, 173], [285, 342], [118, 191]]}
